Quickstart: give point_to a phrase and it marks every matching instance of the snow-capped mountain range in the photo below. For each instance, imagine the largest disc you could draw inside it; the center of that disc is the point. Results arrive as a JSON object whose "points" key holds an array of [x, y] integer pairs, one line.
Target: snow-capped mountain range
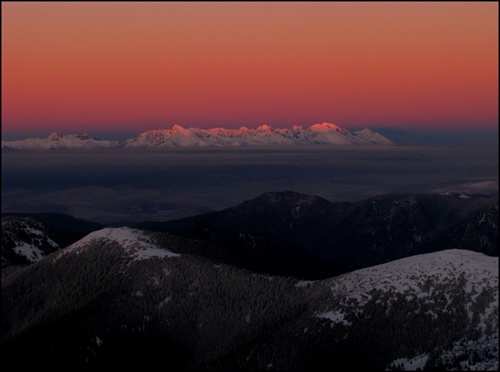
{"points": [[178, 136]]}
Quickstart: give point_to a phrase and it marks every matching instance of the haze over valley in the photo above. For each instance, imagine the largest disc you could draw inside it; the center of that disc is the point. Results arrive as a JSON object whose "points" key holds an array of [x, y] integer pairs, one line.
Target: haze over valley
{"points": [[131, 185]]}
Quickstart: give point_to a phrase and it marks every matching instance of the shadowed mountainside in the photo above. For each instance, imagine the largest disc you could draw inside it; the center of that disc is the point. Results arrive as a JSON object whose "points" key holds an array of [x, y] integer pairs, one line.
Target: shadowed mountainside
{"points": [[317, 239], [349, 235], [118, 299]]}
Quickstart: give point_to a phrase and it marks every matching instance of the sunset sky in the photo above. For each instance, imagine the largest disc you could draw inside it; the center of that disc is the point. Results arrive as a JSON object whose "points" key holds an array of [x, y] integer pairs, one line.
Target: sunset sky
{"points": [[122, 68]]}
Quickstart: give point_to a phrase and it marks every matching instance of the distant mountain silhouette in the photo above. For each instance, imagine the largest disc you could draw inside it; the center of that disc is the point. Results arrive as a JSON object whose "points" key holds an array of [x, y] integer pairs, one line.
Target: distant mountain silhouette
{"points": [[350, 235], [291, 234]]}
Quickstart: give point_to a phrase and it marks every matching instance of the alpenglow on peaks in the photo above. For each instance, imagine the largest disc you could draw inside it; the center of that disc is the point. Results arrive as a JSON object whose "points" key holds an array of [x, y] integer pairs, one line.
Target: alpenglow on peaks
{"points": [[178, 136]]}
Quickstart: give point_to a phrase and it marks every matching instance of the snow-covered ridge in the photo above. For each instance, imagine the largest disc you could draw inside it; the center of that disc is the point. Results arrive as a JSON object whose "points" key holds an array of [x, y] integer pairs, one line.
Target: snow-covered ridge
{"points": [[444, 274], [446, 287], [178, 136], [406, 274], [137, 244]]}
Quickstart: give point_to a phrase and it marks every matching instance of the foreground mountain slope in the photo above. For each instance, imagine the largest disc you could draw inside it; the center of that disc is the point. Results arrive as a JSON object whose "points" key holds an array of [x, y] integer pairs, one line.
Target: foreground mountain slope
{"points": [[352, 235], [117, 299], [454, 290]]}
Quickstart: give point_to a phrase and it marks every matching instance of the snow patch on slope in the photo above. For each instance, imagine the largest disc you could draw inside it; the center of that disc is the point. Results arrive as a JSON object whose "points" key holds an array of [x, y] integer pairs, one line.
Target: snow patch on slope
{"points": [[135, 242], [336, 317], [410, 364], [31, 252]]}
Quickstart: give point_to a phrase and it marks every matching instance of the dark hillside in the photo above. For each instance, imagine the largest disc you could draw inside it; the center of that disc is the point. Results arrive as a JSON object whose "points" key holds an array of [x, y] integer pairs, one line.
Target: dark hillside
{"points": [[354, 235]]}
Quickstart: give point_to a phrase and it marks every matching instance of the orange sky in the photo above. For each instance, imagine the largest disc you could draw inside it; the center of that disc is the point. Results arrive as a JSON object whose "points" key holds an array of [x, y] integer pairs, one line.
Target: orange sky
{"points": [[129, 67]]}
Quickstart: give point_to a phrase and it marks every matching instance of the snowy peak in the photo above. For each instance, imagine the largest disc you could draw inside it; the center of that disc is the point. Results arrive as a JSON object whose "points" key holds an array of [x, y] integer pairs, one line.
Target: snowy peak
{"points": [[325, 127], [180, 130], [264, 128], [178, 136], [183, 137], [133, 241], [55, 136]]}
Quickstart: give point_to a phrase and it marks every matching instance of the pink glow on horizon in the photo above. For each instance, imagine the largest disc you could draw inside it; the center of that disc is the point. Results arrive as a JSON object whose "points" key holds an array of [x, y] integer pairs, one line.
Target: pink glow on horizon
{"points": [[103, 67]]}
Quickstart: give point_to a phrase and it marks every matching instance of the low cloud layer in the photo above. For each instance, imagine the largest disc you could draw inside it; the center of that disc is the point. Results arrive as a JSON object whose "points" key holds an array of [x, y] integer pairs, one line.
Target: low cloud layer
{"points": [[117, 187]]}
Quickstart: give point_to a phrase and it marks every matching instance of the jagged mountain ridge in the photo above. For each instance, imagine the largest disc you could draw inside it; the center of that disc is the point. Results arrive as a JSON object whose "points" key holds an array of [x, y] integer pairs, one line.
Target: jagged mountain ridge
{"points": [[178, 136], [117, 298], [353, 235]]}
